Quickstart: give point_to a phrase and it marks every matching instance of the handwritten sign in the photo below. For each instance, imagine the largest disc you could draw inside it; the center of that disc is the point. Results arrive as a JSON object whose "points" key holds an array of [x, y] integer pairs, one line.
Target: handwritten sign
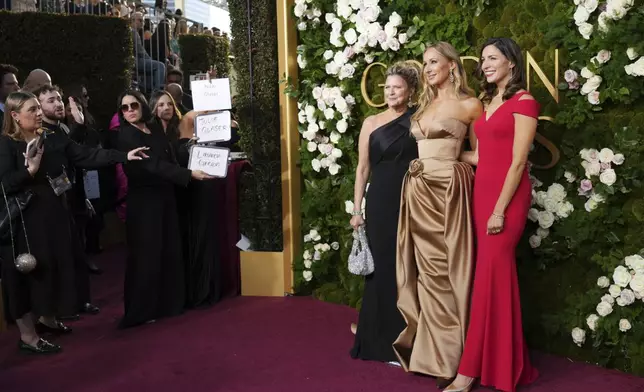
{"points": [[213, 127], [212, 160], [211, 94]]}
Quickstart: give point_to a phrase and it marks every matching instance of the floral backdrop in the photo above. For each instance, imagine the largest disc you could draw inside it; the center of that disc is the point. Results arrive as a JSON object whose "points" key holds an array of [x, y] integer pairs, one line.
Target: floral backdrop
{"points": [[581, 264]]}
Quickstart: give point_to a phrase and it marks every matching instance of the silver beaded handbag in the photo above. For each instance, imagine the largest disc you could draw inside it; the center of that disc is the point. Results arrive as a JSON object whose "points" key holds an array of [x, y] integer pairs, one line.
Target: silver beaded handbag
{"points": [[360, 259]]}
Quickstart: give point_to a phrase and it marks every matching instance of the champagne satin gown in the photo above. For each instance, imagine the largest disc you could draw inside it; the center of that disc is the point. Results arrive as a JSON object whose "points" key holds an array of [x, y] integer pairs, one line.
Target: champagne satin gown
{"points": [[495, 349], [435, 251]]}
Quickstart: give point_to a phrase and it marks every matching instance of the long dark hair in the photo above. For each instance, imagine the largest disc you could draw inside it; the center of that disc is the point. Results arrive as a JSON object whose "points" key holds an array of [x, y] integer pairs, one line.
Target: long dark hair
{"points": [[172, 131], [512, 52], [146, 113]]}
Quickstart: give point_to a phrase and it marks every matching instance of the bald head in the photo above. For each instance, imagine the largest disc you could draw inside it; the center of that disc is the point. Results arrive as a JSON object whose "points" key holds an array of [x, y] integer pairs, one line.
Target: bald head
{"points": [[36, 79], [176, 91]]}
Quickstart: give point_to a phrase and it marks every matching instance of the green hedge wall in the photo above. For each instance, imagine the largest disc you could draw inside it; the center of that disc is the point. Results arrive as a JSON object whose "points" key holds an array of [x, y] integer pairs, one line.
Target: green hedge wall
{"points": [[93, 50], [200, 51], [259, 120]]}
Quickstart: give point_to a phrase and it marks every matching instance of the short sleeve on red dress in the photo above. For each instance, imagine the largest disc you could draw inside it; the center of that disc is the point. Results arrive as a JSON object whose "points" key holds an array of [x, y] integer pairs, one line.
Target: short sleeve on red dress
{"points": [[527, 107]]}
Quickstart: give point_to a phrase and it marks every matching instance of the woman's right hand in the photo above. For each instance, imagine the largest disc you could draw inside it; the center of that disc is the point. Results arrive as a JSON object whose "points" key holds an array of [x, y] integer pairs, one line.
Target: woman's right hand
{"points": [[356, 221], [200, 175], [33, 163]]}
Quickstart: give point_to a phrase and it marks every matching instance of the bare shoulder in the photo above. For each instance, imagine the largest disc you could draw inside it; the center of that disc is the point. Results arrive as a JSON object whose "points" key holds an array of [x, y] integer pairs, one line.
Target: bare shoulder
{"points": [[526, 96], [369, 123], [473, 107]]}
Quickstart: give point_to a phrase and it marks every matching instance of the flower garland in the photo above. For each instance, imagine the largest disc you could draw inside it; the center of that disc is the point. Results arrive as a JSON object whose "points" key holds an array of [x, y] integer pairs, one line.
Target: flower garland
{"points": [[314, 251]]}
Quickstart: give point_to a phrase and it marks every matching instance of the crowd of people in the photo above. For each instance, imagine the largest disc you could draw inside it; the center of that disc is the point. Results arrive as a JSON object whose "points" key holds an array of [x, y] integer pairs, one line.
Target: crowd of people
{"points": [[443, 299], [140, 162]]}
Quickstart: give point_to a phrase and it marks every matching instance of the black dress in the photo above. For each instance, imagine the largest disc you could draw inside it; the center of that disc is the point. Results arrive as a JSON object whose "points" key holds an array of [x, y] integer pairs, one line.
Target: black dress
{"points": [[154, 278], [49, 290], [200, 231], [391, 148]]}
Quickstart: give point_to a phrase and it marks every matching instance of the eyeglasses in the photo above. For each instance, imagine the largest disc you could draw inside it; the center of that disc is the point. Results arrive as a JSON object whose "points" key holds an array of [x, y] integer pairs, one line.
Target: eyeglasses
{"points": [[132, 106]]}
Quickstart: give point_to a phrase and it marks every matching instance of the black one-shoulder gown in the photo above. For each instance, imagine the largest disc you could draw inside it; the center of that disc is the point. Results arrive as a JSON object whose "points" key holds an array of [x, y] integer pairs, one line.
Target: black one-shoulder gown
{"points": [[391, 148]]}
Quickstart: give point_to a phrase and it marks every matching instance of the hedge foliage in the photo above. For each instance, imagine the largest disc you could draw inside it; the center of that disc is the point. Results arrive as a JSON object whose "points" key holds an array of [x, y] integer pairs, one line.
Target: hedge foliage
{"points": [[201, 51], [258, 113], [93, 50]]}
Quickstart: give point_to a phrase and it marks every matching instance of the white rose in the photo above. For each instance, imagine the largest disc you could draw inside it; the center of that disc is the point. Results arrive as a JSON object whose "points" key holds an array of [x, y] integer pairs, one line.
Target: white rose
{"points": [[618, 159], [604, 309], [631, 53], [593, 97], [556, 192], [315, 164], [328, 54], [635, 69], [308, 263], [348, 206], [315, 236], [342, 126], [602, 22], [590, 205], [637, 283], [301, 26], [608, 299], [322, 124], [606, 155], [402, 38], [608, 177], [603, 282], [546, 219], [317, 256], [591, 84], [593, 169], [585, 29], [533, 214], [590, 5], [346, 71], [626, 298], [344, 11], [564, 209], [307, 253], [543, 233], [534, 241], [335, 39], [581, 15], [334, 168], [350, 36], [369, 58], [300, 9], [541, 198], [603, 56], [551, 205], [332, 68], [621, 276], [636, 262], [311, 146], [329, 113], [325, 148], [340, 58], [335, 137], [569, 177], [330, 17], [578, 336], [370, 14], [393, 44], [591, 321], [340, 104], [615, 10], [336, 153], [317, 13], [325, 162], [390, 30], [586, 73], [395, 19], [307, 275], [624, 325], [614, 290]]}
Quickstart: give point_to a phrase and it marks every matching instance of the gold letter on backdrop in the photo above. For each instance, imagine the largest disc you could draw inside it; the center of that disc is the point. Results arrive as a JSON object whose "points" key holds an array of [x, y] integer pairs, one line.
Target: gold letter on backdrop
{"points": [[363, 86], [532, 64]]}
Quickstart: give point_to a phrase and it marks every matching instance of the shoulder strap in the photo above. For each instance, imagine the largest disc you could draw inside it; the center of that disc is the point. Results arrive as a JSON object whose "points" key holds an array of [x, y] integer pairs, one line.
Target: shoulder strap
{"points": [[65, 128]]}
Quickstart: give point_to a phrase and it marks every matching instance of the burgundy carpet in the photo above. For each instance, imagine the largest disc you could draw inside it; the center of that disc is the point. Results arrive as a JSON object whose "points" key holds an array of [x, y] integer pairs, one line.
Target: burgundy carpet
{"points": [[243, 344]]}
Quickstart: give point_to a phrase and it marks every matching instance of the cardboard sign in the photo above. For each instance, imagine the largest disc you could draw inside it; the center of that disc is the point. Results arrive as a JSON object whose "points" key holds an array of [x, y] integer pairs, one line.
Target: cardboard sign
{"points": [[211, 160], [213, 127], [211, 94]]}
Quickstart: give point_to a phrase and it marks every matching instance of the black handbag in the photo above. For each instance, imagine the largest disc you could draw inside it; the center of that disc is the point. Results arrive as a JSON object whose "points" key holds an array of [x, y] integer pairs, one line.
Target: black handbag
{"points": [[11, 210]]}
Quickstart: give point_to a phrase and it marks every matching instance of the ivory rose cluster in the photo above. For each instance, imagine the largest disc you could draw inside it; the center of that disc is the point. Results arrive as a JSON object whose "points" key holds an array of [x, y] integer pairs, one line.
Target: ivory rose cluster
{"points": [[555, 207], [597, 165], [314, 251]]}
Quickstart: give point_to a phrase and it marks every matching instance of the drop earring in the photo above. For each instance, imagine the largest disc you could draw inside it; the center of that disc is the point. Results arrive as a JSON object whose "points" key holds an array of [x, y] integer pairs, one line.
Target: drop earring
{"points": [[451, 75]]}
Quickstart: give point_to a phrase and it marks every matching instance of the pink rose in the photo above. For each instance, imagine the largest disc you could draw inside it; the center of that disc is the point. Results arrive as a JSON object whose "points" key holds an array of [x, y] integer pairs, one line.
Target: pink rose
{"points": [[573, 86], [571, 76], [586, 185]]}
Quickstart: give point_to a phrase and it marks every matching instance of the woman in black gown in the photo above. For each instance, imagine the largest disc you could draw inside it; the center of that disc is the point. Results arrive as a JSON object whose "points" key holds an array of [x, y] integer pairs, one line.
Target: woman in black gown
{"points": [[385, 150], [49, 289], [154, 278]]}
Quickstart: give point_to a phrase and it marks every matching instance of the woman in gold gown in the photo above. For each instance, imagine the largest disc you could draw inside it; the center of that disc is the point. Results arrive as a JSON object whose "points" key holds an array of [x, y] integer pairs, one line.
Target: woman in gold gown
{"points": [[435, 235]]}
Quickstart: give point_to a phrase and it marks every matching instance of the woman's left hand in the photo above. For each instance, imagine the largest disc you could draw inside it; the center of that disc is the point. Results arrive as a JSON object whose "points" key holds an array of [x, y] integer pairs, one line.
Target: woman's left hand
{"points": [[78, 116], [495, 224], [137, 154]]}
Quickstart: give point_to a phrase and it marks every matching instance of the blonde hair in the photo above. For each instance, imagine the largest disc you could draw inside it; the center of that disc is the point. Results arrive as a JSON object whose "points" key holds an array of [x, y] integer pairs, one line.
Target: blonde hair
{"points": [[15, 102], [428, 94], [410, 72]]}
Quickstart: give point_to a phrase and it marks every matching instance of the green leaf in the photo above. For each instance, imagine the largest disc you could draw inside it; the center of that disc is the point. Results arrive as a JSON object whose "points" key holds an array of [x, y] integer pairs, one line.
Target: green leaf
{"points": [[624, 91], [411, 31]]}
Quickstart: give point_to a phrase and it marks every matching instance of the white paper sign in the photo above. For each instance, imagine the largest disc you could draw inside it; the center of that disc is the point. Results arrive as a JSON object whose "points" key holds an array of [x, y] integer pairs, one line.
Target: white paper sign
{"points": [[211, 94], [213, 127], [212, 160], [91, 185]]}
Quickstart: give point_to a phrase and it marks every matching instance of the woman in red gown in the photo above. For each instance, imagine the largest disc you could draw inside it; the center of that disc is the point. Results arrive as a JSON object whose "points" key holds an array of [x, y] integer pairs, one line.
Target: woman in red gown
{"points": [[495, 350]]}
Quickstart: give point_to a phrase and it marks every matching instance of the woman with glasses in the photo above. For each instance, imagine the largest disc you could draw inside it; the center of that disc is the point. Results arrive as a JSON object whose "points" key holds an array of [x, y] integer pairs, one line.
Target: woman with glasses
{"points": [[154, 277]]}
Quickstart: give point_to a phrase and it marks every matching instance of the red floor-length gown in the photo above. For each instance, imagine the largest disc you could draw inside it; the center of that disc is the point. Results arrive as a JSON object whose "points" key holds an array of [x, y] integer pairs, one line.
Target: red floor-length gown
{"points": [[495, 349]]}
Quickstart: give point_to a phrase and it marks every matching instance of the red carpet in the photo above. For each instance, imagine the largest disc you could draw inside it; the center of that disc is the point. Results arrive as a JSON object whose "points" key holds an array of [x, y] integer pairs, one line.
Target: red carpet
{"points": [[242, 344]]}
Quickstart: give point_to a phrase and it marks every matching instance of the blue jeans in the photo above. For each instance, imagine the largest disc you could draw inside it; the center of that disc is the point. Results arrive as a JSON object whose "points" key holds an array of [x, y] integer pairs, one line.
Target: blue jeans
{"points": [[153, 73]]}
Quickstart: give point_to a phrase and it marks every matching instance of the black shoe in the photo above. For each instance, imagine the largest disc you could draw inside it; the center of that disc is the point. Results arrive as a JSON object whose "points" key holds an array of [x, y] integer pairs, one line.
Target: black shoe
{"points": [[93, 268], [73, 317], [59, 329], [90, 309], [42, 347]]}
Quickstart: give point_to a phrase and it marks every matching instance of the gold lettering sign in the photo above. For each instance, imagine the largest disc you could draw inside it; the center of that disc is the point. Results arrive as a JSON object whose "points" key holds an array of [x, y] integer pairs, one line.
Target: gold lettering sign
{"points": [[531, 65]]}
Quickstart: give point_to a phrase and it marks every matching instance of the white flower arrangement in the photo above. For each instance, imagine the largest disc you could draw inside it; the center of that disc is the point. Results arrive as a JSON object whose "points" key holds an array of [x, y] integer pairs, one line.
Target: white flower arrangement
{"points": [[306, 14], [322, 125], [597, 164], [626, 290], [314, 249], [555, 207]]}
